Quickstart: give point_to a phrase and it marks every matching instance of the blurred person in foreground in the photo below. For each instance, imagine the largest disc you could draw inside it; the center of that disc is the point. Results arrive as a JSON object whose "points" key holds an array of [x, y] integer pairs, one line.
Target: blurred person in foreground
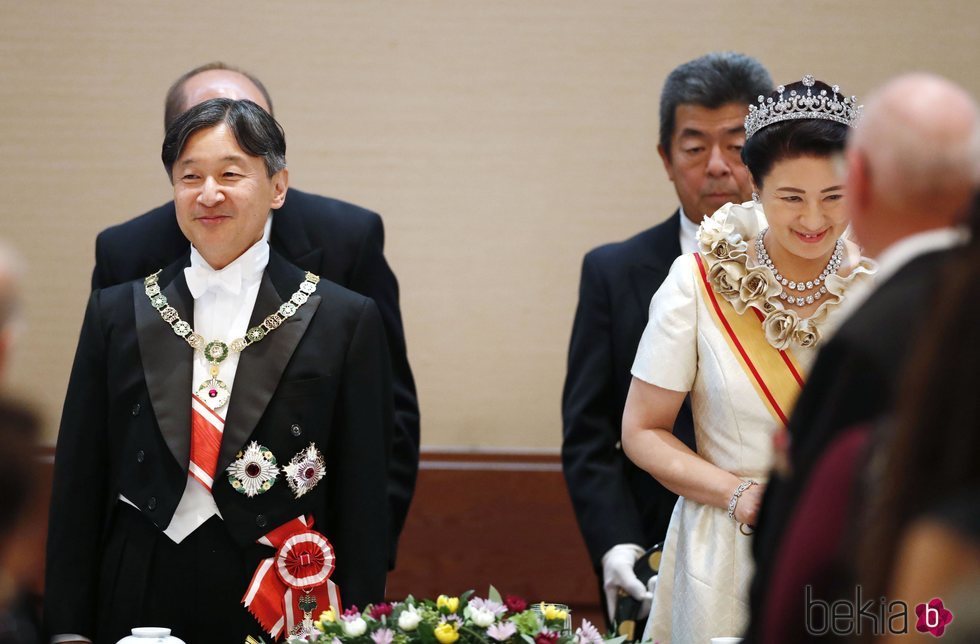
{"points": [[911, 173], [621, 510], [737, 326], [920, 535], [19, 428], [11, 274]]}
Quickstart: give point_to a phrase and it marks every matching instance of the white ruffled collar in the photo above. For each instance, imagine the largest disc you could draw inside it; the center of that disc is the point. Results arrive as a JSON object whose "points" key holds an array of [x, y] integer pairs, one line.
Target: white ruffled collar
{"points": [[724, 238]]}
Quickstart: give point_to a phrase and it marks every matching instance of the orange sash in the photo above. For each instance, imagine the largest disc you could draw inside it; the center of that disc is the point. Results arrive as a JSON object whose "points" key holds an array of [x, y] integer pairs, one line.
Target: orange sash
{"points": [[775, 374]]}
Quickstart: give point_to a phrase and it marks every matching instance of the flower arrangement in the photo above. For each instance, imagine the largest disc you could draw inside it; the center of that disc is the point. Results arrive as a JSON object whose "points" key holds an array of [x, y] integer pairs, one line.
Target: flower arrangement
{"points": [[454, 620]]}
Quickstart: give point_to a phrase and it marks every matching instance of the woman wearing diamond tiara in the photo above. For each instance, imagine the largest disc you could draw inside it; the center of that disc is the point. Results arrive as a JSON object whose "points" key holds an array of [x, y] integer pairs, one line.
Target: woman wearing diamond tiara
{"points": [[736, 327]]}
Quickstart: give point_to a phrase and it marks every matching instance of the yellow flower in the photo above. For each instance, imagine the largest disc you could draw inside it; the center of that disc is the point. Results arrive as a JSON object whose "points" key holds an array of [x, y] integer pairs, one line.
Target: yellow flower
{"points": [[328, 616], [451, 604], [446, 633], [551, 612]]}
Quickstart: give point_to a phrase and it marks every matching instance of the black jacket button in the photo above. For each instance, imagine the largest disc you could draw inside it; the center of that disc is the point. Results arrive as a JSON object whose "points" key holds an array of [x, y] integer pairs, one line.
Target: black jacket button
{"points": [[261, 521], [151, 503], [295, 430], [136, 409], [140, 456]]}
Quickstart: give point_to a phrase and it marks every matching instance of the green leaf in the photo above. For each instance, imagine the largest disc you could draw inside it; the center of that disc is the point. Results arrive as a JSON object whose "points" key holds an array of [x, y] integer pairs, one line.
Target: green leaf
{"points": [[427, 633], [616, 640], [527, 638], [494, 595]]}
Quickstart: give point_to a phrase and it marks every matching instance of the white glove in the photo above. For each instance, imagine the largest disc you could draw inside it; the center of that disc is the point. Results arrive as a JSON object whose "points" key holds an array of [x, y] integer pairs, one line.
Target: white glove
{"points": [[617, 573]]}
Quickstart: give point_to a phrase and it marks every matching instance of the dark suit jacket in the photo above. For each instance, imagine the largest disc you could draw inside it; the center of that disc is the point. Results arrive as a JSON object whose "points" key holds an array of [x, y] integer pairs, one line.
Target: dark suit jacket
{"points": [[615, 501], [338, 241], [126, 430], [853, 381]]}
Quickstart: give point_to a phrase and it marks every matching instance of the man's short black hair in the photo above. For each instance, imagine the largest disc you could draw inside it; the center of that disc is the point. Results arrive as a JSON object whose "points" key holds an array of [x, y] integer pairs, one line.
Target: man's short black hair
{"points": [[256, 132], [711, 81], [176, 100]]}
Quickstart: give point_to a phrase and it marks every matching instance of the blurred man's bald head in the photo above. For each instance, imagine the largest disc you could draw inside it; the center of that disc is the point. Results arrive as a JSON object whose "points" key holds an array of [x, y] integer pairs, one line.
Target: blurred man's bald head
{"points": [[213, 80], [914, 158]]}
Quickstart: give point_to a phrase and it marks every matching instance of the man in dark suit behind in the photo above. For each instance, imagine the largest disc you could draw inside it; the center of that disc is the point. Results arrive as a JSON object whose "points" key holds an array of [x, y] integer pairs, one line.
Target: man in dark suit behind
{"points": [[913, 164], [339, 241], [621, 509]]}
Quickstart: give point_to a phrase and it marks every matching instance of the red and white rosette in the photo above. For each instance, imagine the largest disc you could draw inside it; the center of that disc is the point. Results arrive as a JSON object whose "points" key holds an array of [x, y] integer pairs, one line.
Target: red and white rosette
{"points": [[305, 560], [303, 563]]}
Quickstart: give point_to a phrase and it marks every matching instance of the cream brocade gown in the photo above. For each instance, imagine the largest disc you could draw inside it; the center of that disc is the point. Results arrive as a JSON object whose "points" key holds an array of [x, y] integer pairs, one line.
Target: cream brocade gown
{"points": [[702, 588]]}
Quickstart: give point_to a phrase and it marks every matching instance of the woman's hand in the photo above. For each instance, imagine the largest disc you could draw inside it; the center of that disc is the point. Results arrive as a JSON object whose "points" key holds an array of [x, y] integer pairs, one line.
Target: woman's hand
{"points": [[747, 508]]}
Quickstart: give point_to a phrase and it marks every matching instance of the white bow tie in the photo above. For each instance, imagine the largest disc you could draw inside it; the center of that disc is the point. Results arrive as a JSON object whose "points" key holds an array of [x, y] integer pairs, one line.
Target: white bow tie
{"points": [[201, 279]]}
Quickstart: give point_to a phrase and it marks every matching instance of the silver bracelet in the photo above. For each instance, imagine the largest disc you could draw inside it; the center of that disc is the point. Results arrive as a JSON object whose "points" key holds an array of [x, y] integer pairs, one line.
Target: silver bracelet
{"points": [[744, 485]]}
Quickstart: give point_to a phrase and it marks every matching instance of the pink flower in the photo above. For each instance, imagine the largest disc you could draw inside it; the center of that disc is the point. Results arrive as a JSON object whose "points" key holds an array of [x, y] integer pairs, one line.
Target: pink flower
{"points": [[380, 610], [502, 631], [488, 604], [383, 636], [515, 604], [353, 611], [546, 637], [587, 634]]}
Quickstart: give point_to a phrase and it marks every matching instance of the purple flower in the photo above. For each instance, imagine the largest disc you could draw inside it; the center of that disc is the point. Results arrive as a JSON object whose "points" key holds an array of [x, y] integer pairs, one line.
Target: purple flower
{"points": [[502, 631], [383, 636]]}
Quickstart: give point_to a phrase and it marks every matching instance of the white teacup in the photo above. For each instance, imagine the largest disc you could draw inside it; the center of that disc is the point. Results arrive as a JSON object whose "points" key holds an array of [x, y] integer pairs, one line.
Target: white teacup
{"points": [[726, 640]]}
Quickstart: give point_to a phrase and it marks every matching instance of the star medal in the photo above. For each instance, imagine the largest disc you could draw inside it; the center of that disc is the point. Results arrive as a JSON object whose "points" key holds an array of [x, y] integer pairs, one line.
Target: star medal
{"points": [[305, 470], [253, 471]]}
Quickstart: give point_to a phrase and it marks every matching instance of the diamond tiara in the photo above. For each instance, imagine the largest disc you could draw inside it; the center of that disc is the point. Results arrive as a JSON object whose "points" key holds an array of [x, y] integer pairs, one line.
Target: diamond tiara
{"points": [[820, 105]]}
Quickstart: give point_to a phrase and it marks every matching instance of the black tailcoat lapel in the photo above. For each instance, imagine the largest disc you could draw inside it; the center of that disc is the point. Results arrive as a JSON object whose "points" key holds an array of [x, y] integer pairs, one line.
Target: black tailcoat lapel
{"points": [[261, 365], [168, 359], [648, 274]]}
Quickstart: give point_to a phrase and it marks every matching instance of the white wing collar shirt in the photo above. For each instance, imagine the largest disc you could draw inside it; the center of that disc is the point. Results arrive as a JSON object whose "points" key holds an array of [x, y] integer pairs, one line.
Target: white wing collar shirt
{"points": [[223, 303], [688, 234]]}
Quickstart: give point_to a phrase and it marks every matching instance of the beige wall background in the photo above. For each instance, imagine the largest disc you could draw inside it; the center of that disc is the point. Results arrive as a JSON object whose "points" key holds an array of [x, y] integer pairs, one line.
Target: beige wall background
{"points": [[499, 140]]}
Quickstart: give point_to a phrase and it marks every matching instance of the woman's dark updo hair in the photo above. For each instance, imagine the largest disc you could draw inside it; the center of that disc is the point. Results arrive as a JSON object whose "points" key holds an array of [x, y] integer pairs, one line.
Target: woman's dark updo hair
{"points": [[792, 139]]}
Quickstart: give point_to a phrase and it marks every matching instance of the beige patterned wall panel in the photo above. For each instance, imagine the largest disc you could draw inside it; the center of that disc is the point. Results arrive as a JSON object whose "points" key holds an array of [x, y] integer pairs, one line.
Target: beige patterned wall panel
{"points": [[499, 140]]}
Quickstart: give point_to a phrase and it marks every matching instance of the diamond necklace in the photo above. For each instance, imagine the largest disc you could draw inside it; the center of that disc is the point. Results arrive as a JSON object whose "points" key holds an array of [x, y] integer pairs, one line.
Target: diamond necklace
{"points": [[217, 392], [800, 287]]}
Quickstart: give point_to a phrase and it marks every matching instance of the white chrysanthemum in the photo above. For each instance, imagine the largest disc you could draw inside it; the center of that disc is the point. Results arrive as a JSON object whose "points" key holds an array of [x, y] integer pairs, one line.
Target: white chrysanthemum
{"points": [[409, 619]]}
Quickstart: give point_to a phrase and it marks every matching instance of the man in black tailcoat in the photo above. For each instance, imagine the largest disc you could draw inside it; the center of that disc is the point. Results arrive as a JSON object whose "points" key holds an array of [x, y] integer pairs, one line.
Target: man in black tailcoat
{"points": [[215, 408], [336, 240]]}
